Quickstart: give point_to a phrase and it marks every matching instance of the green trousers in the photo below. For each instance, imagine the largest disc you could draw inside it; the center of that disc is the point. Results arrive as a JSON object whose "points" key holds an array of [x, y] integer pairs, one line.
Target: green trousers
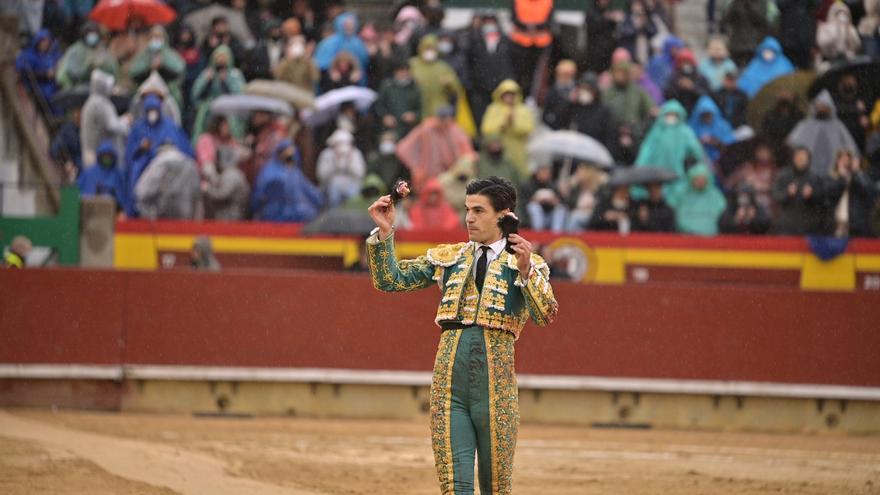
{"points": [[474, 411]]}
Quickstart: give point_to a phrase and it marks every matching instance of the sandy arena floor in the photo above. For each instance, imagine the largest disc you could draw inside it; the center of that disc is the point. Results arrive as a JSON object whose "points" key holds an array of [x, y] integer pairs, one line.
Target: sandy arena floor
{"points": [[94, 453]]}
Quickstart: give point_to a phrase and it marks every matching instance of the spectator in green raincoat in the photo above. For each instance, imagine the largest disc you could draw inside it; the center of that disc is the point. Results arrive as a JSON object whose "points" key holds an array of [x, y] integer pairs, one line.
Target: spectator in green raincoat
{"points": [[160, 57], [219, 78], [511, 119], [670, 144], [87, 54], [439, 85], [700, 205]]}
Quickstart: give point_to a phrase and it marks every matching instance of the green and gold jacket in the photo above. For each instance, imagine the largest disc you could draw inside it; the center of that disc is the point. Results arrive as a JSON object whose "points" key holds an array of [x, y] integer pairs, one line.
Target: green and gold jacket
{"points": [[506, 300]]}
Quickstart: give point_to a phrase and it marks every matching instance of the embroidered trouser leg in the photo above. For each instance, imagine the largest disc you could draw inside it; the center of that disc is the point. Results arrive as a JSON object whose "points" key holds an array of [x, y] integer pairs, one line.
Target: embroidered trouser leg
{"points": [[474, 411]]}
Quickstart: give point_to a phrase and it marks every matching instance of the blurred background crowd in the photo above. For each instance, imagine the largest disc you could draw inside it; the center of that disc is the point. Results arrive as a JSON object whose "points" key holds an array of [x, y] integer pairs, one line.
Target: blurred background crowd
{"points": [[281, 110]]}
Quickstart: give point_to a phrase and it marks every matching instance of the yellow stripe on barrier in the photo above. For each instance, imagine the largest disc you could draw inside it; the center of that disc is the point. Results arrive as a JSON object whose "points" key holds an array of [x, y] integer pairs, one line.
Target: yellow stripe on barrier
{"points": [[720, 259]]}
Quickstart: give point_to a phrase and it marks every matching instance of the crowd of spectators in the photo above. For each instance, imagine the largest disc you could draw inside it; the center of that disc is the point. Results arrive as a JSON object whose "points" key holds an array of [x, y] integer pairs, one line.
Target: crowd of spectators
{"points": [[453, 105]]}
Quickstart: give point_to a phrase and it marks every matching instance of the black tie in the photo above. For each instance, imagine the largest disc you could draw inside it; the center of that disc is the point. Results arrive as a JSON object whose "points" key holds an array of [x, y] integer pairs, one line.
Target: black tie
{"points": [[482, 261]]}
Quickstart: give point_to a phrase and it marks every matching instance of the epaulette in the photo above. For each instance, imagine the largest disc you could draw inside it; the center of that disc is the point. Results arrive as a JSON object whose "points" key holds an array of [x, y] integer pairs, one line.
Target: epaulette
{"points": [[447, 254]]}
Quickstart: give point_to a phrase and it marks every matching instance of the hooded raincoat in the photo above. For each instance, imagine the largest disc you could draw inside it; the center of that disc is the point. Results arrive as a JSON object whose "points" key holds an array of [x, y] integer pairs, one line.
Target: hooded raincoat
{"points": [[823, 137], [697, 210], [99, 118], [439, 86], [761, 71], [209, 85], [171, 67], [35, 68], [283, 193], [662, 65], [169, 187], [340, 41], [432, 148], [670, 145], [103, 179], [80, 60], [437, 216], [514, 123], [718, 130]]}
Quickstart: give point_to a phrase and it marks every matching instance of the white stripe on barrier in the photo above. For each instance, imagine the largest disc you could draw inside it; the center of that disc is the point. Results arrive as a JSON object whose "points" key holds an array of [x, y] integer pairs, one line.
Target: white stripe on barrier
{"points": [[423, 378]]}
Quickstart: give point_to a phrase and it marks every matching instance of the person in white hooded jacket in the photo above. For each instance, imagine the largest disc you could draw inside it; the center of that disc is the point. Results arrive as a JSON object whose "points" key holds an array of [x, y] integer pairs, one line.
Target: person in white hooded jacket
{"points": [[837, 37], [100, 120], [341, 168]]}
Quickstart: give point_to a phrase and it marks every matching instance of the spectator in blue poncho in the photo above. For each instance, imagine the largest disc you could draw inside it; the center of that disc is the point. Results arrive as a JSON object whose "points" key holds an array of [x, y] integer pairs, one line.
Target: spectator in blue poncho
{"points": [[713, 131], [344, 38], [768, 64], [662, 65], [147, 134], [282, 192], [105, 177], [669, 144], [700, 204], [36, 66]]}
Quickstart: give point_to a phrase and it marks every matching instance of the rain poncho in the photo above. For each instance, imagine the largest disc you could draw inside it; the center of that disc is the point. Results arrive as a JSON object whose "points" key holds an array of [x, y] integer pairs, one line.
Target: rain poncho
{"points": [[514, 123], [227, 194], [719, 129], [80, 59], [431, 148], [437, 216], [716, 64], [169, 187], [822, 137], [341, 168], [760, 71], [439, 86], [155, 85], [339, 41], [99, 118], [164, 131], [172, 68], [103, 179], [34, 67], [283, 193], [670, 146], [662, 65], [209, 86], [698, 211]]}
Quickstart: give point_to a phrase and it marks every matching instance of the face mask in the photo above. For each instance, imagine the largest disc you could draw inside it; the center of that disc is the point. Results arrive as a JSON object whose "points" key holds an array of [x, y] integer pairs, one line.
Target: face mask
{"points": [[496, 154], [92, 39], [429, 55], [585, 97], [490, 28], [445, 47], [387, 147], [297, 50], [342, 148], [156, 44], [670, 119], [153, 116], [107, 161], [842, 17], [768, 55]]}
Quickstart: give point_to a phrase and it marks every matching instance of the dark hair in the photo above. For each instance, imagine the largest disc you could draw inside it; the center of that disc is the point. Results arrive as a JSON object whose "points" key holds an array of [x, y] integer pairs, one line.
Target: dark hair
{"points": [[500, 192]]}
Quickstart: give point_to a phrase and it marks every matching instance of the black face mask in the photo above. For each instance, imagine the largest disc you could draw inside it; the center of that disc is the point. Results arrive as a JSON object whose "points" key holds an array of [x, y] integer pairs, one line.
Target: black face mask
{"points": [[496, 154]]}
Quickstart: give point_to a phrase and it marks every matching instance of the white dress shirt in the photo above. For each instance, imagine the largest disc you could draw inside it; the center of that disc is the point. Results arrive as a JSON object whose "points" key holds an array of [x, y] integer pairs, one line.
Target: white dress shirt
{"points": [[494, 252]]}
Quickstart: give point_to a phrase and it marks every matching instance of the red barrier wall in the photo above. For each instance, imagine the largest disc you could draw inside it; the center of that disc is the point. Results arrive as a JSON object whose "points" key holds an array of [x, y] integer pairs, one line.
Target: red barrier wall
{"points": [[340, 321]]}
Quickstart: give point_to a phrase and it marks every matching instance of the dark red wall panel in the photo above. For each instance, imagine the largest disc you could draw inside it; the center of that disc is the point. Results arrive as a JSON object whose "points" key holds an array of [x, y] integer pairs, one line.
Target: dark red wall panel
{"points": [[327, 320], [61, 316]]}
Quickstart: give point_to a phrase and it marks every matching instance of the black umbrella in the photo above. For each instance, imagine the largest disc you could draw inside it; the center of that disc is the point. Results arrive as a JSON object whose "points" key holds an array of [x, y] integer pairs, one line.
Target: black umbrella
{"points": [[76, 96], [341, 221], [866, 71], [641, 176]]}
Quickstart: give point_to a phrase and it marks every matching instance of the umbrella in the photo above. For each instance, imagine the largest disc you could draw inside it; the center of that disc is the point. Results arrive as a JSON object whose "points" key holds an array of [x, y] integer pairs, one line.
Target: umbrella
{"points": [[571, 144], [116, 14], [245, 104], [866, 71], [76, 97], [341, 221], [327, 105], [632, 176], [797, 83], [200, 22], [296, 96]]}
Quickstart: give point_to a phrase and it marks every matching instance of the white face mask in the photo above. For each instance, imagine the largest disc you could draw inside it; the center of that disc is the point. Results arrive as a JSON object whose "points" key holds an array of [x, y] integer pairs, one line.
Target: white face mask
{"points": [[768, 55], [153, 116], [445, 47], [429, 55], [670, 119], [296, 50], [156, 44], [342, 148], [92, 38], [619, 204], [585, 97], [387, 147]]}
